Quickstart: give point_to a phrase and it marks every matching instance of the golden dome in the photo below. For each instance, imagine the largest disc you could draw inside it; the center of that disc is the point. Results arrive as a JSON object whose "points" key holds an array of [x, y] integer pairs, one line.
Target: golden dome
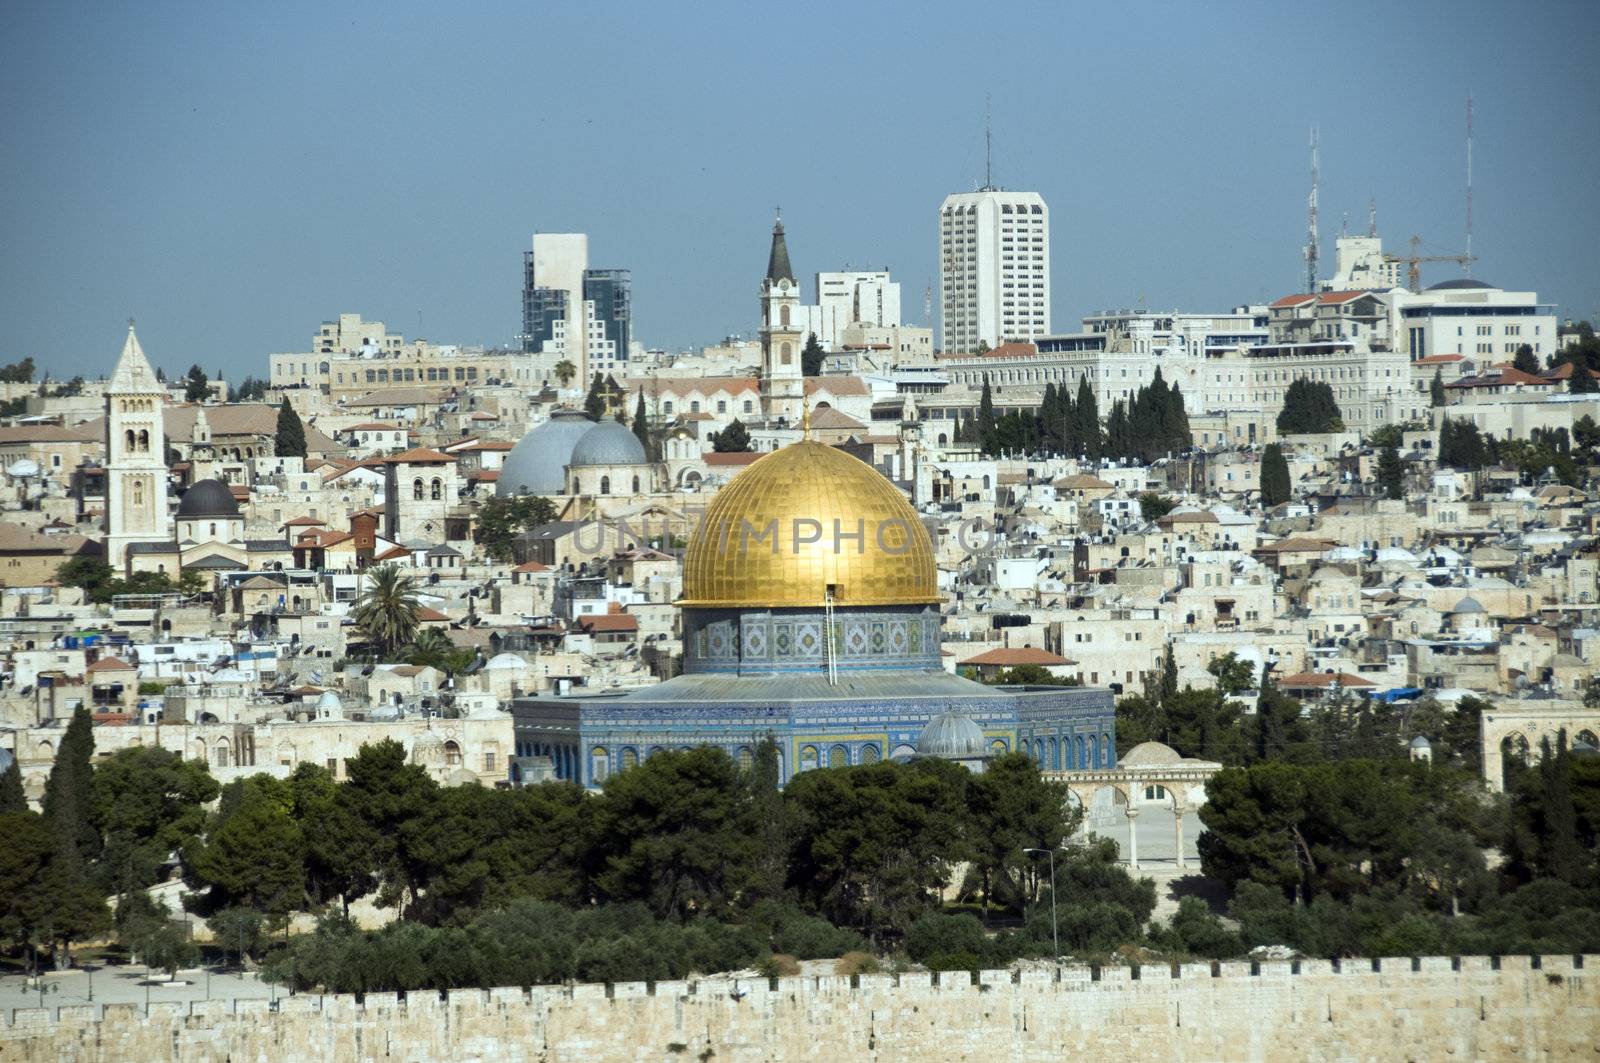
{"points": [[801, 519]]}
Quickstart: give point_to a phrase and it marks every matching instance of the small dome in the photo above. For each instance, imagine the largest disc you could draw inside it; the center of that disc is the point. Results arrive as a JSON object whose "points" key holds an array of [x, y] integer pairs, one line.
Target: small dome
{"points": [[608, 443], [1469, 604], [951, 735], [208, 499], [537, 464], [1421, 742], [1149, 753], [329, 704], [505, 662], [1458, 284]]}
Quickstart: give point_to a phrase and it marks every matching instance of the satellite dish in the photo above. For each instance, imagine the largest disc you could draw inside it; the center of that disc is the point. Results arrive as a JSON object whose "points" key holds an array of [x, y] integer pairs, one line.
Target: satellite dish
{"points": [[23, 467]]}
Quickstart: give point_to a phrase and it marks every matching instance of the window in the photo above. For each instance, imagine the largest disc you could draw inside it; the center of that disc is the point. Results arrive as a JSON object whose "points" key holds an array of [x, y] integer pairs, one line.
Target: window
{"points": [[452, 754], [436, 491], [488, 760]]}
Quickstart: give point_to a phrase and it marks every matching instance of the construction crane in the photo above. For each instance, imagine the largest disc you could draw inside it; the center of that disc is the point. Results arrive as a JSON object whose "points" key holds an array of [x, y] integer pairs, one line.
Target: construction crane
{"points": [[1414, 262]]}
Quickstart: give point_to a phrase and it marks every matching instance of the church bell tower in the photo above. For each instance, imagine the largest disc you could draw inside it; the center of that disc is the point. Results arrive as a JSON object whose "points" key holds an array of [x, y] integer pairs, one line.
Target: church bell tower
{"points": [[782, 382], [136, 455]]}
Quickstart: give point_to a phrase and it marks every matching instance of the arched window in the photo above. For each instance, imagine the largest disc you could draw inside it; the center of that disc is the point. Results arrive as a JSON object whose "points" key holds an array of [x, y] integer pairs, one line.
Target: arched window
{"points": [[1587, 738], [785, 354], [869, 754], [144, 440], [783, 316], [1055, 756], [130, 441], [138, 492], [605, 485], [452, 754], [436, 489], [600, 763], [630, 758], [635, 485], [808, 757], [219, 754], [416, 489], [747, 759], [213, 530], [838, 757], [1105, 751], [1094, 752]]}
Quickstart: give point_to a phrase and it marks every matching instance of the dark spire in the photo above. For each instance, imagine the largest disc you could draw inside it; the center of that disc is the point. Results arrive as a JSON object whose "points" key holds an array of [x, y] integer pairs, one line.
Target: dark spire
{"points": [[778, 261]]}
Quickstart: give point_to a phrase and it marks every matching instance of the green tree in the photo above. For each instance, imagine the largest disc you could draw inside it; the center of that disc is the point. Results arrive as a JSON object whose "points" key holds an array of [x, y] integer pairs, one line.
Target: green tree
{"points": [[811, 356], [1309, 407], [18, 372], [1234, 674], [432, 648], [147, 803], [195, 385], [1276, 487], [387, 610], [251, 389], [12, 797], [565, 372], [291, 438], [1391, 473], [238, 929], [1436, 392], [23, 860], [1086, 437], [594, 403], [393, 798], [93, 575], [1153, 507], [733, 439], [1011, 807], [68, 792], [1204, 724], [254, 853], [766, 810], [871, 846], [986, 418], [1277, 729], [1526, 361], [501, 519], [1461, 446], [674, 833], [641, 428]]}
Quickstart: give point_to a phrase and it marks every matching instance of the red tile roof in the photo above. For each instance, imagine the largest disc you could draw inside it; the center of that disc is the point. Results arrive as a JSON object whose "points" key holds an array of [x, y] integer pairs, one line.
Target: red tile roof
{"points": [[531, 566], [1323, 680], [737, 457], [429, 614], [608, 622], [1440, 359], [1010, 657], [110, 664], [421, 456]]}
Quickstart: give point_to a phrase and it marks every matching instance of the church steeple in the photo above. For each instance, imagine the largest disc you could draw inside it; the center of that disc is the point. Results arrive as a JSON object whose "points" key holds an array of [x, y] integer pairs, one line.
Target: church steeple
{"points": [[778, 259], [133, 375]]}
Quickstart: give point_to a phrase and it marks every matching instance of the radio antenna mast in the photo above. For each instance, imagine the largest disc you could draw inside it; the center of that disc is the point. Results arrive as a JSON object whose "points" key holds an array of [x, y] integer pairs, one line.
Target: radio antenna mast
{"points": [[1311, 219], [1468, 261], [988, 146]]}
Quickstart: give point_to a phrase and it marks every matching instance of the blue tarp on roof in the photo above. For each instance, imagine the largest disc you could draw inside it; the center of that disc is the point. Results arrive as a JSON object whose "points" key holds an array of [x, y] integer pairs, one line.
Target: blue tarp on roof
{"points": [[1397, 694]]}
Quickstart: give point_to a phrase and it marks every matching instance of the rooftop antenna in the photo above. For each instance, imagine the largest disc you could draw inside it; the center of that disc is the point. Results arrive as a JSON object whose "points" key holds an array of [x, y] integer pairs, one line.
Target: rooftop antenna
{"points": [[1467, 261], [1344, 224], [927, 304], [1372, 216], [1311, 219], [988, 146]]}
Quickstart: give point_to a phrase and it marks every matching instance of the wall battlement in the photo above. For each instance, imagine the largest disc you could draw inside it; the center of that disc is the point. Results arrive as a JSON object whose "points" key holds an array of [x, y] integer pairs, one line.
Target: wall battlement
{"points": [[1470, 1007]]}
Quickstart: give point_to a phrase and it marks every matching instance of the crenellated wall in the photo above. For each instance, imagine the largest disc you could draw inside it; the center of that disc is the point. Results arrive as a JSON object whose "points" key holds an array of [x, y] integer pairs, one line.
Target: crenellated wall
{"points": [[1430, 1008]]}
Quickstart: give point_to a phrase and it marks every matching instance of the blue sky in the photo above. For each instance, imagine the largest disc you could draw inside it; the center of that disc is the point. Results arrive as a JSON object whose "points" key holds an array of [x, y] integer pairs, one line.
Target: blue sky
{"points": [[232, 174]]}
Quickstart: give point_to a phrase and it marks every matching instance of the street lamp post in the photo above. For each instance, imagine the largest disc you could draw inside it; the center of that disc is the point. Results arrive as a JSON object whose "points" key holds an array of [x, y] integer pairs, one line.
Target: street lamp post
{"points": [[1055, 935]]}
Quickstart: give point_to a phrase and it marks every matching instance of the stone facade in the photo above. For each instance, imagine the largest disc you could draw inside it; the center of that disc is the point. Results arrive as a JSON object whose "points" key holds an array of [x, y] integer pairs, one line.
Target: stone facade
{"points": [[1428, 1008]]}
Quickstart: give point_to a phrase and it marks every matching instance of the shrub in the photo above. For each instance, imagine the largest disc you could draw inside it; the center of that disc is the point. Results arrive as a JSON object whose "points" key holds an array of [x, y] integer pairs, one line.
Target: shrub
{"points": [[853, 963], [778, 965]]}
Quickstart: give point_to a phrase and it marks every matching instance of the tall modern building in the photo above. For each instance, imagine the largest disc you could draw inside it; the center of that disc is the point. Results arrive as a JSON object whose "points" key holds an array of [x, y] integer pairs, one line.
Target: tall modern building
{"points": [[574, 313], [994, 268]]}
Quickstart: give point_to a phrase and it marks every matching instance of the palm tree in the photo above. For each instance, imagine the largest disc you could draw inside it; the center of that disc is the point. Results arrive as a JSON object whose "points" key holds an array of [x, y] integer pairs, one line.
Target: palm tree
{"points": [[387, 610], [565, 371], [433, 648]]}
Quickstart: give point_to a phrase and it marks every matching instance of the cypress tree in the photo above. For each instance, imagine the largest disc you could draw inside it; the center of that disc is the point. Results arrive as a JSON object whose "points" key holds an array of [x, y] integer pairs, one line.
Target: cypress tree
{"points": [[291, 439], [986, 409], [1086, 439], [1391, 473], [594, 404], [1560, 852], [1436, 393], [1117, 431], [1275, 484], [1048, 417], [641, 428], [67, 793], [1177, 419], [12, 799]]}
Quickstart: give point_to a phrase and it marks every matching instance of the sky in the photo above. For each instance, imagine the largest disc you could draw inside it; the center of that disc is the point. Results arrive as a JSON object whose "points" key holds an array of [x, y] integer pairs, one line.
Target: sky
{"points": [[231, 175]]}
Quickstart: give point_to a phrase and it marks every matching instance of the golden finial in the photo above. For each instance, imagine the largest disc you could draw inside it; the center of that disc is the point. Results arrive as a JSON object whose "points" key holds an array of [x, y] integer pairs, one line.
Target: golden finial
{"points": [[805, 416]]}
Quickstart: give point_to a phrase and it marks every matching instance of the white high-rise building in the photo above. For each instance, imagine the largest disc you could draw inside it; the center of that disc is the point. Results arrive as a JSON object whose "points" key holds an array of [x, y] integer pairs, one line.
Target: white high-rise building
{"points": [[994, 268]]}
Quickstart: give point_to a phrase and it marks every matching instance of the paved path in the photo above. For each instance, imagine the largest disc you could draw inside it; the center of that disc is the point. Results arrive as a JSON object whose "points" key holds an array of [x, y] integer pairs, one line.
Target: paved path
{"points": [[125, 984]]}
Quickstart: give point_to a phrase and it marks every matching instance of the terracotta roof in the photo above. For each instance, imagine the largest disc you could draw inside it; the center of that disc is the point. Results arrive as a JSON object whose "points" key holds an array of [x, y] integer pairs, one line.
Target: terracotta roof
{"points": [[488, 444], [836, 385], [677, 387], [1011, 350], [421, 456], [394, 553], [1082, 481], [1297, 545], [1290, 300], [531, 566], [1498, 376], [1323, 680], [1325, 298], [109, 664], [486, 475], [1010, 657], [305, 522], [1440, 359], [433, 615], [608, 622], [52, 433], [375, 426]]}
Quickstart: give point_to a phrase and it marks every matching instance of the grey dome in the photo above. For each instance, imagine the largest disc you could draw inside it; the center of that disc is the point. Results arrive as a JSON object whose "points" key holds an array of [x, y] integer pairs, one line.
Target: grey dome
{"points": [[951, 735], [330, 704], [1457, 283], [1469, 605], [608, 443], [537, 464], [208, 499]]}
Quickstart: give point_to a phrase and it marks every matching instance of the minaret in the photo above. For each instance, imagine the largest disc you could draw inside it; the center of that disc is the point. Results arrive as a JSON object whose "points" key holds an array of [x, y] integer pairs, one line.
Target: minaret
{"points": [[782, 382], [136, 464]]}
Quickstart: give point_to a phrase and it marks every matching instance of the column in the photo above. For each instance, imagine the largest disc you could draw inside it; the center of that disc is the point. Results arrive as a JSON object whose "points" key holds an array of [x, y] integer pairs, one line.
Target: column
{"points": [[1177, 822], [1133, 836]]}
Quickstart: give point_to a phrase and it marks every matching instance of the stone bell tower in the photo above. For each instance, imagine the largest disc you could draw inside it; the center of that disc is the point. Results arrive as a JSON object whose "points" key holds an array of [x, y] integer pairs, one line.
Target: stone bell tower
{"points": [[136, 461], [782, 382]]}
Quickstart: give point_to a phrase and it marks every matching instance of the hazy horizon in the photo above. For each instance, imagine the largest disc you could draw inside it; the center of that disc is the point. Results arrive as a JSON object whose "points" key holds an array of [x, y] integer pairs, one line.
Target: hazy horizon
{"points": [[233, 176]]}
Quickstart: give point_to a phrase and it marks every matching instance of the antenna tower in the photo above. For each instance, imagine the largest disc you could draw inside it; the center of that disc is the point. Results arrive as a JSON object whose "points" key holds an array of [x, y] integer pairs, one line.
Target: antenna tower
{"points": [[1468, 261], [1311, 219], [927, 303], [988, 146]]}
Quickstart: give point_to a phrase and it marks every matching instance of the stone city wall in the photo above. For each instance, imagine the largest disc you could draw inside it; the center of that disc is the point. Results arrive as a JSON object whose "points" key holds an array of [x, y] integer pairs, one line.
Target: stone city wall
{"points": [[1430, 1008]]}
